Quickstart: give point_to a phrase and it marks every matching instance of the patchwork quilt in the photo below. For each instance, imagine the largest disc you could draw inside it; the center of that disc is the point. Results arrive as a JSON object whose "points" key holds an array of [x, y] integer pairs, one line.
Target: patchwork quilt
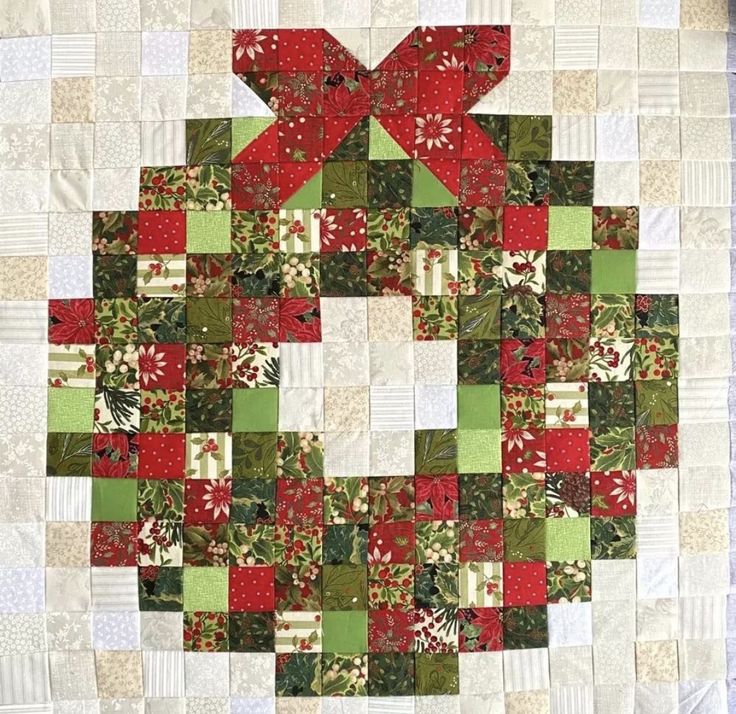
{"points": [[366, 356]]}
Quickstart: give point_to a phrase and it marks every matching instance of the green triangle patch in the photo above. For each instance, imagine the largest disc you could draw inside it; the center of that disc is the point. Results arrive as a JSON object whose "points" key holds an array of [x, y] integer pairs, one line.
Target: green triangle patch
{"points": [[382, 145], [428, 190], [246, 129], [308, 196]]}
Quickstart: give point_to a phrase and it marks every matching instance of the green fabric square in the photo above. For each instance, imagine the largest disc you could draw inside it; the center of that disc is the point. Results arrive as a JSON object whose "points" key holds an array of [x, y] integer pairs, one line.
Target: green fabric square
{"points": [[344, 587], [479, 406], [70, 409], [345, 631], [114, 499], [208, 231], [570, 228], [245, 129], [205, 589], [255, 409], [614, 272], [524, 540], [437, 674], [478, 451], [567, 539]]}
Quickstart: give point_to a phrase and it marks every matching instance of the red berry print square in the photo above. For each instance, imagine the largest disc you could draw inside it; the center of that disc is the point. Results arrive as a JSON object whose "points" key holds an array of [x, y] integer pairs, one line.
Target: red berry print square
{"points": [[657, 447]]}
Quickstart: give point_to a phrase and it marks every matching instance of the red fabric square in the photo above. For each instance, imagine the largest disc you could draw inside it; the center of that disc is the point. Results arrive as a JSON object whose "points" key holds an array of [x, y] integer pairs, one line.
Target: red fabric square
{"points": [[294, 176], [481, 541], [523, 362], [482, 182], [299, 320], [613, 493], [252, 589], [255, 50], [300, 49], [447, 171], [391, 542], [525, 227], [437, 497], [161, 366], [477, 144], [162, 232], [299, 93], [438, 136], [114, 544], [346, 95], [524, 584], [487, 622], [440, 92], [656, 447], [390, 631], [523, 450], [255, 185], [300, 138], [255, 319], [342, 229], [114, 455], [207, 500], [72, 322], [394, 92], [568, 316], [441, 46], [568, 450], [299, 501], [162, 455]]}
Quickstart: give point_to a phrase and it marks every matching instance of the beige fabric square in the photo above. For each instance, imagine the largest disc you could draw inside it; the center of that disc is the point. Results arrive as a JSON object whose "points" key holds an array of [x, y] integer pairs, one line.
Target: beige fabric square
{"points": [[298, 705], [70, 16], [657, 619], [73, 99], [614, 665], [578, 12], [72, 146], [207, 14], [623, 13], [614, 621], [619, 48], [533, 12], [660, 183], [118, 54], [347, 408], [616, 579], [390, 319], [119, 674], [156, 15], [535, 702], [67, 545], [70, 190], [575, 92], [704, 14], [703, 51], [119, 98], [570, 666], [704, 94], [656, 661], [23, 278], [67, 589], [617, 92], [704, 531], [385, 13], [210, 51]]}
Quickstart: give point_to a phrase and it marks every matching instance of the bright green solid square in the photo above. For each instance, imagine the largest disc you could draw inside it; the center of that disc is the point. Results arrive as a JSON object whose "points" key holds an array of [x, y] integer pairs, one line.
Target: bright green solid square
{"points": [[478, 451], [570, 228], [255, 409], [567, 539], [479, 406], [71, 409], [614, 272], [205, 589], [114, 499], [345, 631], [208, 231]]}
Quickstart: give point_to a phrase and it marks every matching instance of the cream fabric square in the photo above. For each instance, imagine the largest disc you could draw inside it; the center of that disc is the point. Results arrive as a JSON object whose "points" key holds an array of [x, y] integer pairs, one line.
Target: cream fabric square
{"points": [[576, 47], [702, 618], [301, 409], [117, 144], [391, 408], [67, 589], [705, 227], [659, 93], [344, 319], [699, 358], [252, 674], [441, 12], [614, 665], [163, 143], [704, 487], [72, 675], [525, 670], [161, 630], [704, 531], [575, 92], [73, 55], [72, 146], [615, 579], [533, 12], [657, 577], [704, 14], [207, 674], [578, 12], [660, 183], [659, 229], [481, 672], [391, 453], [692, 568], [703, 51], [656, 536], [705, 138], [573, 138], [620, 12], [118, 54], [163, 673], [300, 364], [435, 362], [570, 666], [530, 92], [617, 138], [704, 270], [570, 624], [617, 92], [163, 98], [345, 364], [532, 48], [391, 363], [347, 453], [118, 98], [659, 138], [618, 47], [656, 492], [658, 48], [659, 13], [658, 271], [614, 621], [435, 407], [704, 94], [703, 400], [115, 189], [616, 183], [706, 183], [656, 619], [656, 661]]}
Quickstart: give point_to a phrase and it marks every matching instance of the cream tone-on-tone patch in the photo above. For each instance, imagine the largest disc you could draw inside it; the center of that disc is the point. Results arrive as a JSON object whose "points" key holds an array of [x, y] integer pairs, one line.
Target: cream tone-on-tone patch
{"points": [[367, 356]]}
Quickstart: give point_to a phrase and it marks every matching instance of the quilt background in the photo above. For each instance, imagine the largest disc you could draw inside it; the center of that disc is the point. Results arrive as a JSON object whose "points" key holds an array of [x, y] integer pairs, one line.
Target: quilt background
{"points": [[91, 91]]}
